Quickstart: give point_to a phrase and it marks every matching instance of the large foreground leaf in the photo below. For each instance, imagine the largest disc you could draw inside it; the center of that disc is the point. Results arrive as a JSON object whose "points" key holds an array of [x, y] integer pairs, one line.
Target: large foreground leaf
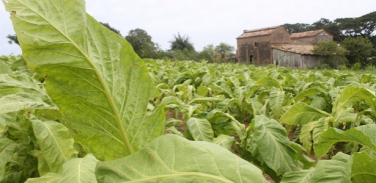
{"points": [[100, 85], [364, 168], [171, 158]]}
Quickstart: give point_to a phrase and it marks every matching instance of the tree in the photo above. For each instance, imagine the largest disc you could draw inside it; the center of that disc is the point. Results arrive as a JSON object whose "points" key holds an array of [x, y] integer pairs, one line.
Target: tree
{"points": [[359, 49], [335, 54], [225, 50], [322, 23], [181, 43], [298, 27], [111, 28], [13, 39], [209, 53], [142, 43]]}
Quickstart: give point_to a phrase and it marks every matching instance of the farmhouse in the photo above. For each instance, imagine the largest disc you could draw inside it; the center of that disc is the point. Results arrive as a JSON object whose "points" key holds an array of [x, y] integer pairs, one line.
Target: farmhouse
{"points": [[274, 45]]}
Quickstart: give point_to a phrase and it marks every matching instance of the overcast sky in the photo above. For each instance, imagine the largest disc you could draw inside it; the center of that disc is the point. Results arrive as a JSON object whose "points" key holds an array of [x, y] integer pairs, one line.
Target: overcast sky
{"points": [[204, 21]]}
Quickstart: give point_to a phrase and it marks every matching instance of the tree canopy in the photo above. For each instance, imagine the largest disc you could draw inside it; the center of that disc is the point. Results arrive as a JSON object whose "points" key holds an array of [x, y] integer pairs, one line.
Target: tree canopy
{"points": [[181, 43], [341, 28], [225, 50], [359, 49], [335, 55], [142, 43], [111, 28]]}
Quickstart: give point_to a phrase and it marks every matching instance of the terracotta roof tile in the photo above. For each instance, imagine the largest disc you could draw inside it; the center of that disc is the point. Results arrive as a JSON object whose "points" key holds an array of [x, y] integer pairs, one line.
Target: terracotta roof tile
{"points": [[306, 34], [301, 49], [259, 32]]}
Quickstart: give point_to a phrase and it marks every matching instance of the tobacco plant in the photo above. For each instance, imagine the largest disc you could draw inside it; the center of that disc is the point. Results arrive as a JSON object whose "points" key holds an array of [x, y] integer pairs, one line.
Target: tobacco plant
{"points": [[102, 90]]}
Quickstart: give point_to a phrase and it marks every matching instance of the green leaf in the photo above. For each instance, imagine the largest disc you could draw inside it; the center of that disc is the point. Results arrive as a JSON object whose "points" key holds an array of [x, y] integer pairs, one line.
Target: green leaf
{"points": [[302, 95], [22, 81], [7, 149], [268, 82], [276, 101], [273, 145], [224, 141], [333, 135], [347, 115], [302, 176], [4, 68], [363, 168], [170, 158], [302, 113], [77, 170], [351, 95], [55, 142], [22, 101], [306, 136], [225, 121], [200, 129], [319, 103], [100, 85], [326, 171], [48, 178], [80, 170]]}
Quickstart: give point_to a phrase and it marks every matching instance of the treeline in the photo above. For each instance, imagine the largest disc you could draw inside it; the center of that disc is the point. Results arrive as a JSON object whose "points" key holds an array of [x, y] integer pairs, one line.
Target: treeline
{"points": [[341, 28], [181, 48]]}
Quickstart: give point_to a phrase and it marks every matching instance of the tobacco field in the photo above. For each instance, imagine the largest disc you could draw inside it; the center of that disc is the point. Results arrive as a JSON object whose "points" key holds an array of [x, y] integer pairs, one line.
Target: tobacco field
{"points": [[80, 106]]}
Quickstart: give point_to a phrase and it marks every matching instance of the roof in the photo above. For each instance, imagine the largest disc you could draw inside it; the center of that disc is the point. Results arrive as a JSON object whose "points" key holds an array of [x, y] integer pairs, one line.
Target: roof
{"points": [[259, 32], [307, 34], [300, 49]]}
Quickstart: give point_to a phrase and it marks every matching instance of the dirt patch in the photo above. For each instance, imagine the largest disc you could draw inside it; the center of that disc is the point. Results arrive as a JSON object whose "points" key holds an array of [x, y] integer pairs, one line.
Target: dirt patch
{"points": [[268, 178]]}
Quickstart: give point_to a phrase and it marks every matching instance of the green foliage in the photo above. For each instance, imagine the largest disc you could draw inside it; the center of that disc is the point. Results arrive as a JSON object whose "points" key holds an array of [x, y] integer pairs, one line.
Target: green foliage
{"points": [[272, 145], [326, 171], [225, 50], [13, 39], [182, 161], [358, 135], [335, 55], [341, 28], [209, 53], [356, 67], [105, 103], [111, 28], [142, 43], [359, 49], [95, 112], [181, 43], [361, 173]]}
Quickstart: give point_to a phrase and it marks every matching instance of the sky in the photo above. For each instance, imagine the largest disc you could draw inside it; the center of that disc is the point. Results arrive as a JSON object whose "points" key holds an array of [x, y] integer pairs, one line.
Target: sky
{"points": [[203, 21]]}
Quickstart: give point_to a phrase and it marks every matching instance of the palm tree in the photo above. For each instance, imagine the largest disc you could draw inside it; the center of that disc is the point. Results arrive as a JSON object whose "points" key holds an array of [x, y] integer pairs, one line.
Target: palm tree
{"points": [[181, 43]]}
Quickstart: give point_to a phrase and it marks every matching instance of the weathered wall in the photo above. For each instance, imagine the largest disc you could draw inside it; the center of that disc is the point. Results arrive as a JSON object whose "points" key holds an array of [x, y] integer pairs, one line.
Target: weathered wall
{"points": [[288, 59], [304, 41], [247, 47], [280, 36], [262, 51], [321, 37]]}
